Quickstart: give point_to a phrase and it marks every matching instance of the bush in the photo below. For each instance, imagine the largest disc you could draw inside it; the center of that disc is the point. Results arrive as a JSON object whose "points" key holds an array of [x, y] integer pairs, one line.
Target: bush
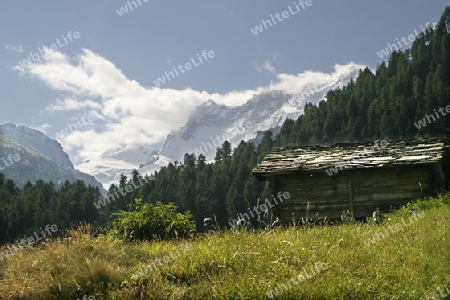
{"points": [[424, 204], [145, 222]]}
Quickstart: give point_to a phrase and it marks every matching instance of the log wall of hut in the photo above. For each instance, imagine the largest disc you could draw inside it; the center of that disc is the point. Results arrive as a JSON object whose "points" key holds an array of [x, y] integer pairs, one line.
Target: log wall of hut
{"points": [[361, 191]]}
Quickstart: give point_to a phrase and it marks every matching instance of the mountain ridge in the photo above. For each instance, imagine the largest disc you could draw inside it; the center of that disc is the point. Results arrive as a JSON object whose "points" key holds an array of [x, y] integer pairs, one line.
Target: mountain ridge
{"points": [[41, 157]]}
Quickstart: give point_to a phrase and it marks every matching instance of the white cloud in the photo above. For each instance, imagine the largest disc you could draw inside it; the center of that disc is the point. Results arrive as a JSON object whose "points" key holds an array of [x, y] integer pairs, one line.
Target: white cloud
{"points": [[44, 127], [72, 104], [267, 66], [127, 111], [300, 82], [16, 48]]}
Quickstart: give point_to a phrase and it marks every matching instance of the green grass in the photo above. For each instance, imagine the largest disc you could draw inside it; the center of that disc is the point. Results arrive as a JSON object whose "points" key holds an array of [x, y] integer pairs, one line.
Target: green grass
{"points": [[408, 264]]}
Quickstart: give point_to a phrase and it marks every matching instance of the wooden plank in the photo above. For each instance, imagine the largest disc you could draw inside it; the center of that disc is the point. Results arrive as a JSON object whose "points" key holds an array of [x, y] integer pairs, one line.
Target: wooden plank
{"points": [[318, 194]]}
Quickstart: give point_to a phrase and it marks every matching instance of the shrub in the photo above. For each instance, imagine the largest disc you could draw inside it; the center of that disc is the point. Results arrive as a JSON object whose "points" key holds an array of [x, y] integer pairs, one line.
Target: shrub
{"points": [[145, 222]]}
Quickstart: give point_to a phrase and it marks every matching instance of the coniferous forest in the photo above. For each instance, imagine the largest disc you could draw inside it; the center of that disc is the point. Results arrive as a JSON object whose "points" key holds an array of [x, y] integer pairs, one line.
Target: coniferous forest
{"points": [[384, 104]]}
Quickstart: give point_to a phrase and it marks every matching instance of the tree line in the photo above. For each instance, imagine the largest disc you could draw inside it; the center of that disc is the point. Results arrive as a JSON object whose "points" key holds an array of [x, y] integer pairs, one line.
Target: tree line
{"points": [[24, 210]]}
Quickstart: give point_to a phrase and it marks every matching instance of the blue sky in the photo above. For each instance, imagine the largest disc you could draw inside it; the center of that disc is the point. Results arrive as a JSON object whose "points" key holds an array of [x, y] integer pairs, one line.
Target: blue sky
{"points": [[109, 70]]}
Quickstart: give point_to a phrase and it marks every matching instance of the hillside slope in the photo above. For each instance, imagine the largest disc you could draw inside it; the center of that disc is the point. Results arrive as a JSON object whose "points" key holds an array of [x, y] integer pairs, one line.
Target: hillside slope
{"points": [[37, 157]]}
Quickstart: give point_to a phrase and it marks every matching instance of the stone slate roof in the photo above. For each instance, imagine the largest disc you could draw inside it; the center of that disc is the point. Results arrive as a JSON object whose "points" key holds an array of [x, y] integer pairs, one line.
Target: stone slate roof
{"points": [[351, 156]]}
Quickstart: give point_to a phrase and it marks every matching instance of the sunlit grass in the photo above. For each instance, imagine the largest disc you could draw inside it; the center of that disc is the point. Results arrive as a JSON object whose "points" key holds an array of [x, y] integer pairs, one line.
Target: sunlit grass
{"points": [[407, 264]]}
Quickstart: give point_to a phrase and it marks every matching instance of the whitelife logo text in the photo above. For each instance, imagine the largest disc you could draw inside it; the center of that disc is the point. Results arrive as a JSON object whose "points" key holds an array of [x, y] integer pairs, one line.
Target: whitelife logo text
{"points": [[35, 56], [187, 66]]}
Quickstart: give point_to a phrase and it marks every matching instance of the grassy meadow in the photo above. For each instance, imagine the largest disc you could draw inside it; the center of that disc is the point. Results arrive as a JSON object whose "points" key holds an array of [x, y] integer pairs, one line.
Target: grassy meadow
{"points": [[409, 259]]}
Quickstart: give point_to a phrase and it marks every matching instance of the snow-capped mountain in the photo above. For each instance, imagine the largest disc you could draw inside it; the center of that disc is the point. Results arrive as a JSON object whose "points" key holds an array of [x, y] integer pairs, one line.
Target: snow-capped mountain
{"points": [[209, 126], [121, 159], [211, 122]]}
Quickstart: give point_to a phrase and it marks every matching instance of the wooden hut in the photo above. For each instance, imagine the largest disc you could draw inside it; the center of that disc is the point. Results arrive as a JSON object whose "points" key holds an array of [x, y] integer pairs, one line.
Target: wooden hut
{"points": [[359, 177]]}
